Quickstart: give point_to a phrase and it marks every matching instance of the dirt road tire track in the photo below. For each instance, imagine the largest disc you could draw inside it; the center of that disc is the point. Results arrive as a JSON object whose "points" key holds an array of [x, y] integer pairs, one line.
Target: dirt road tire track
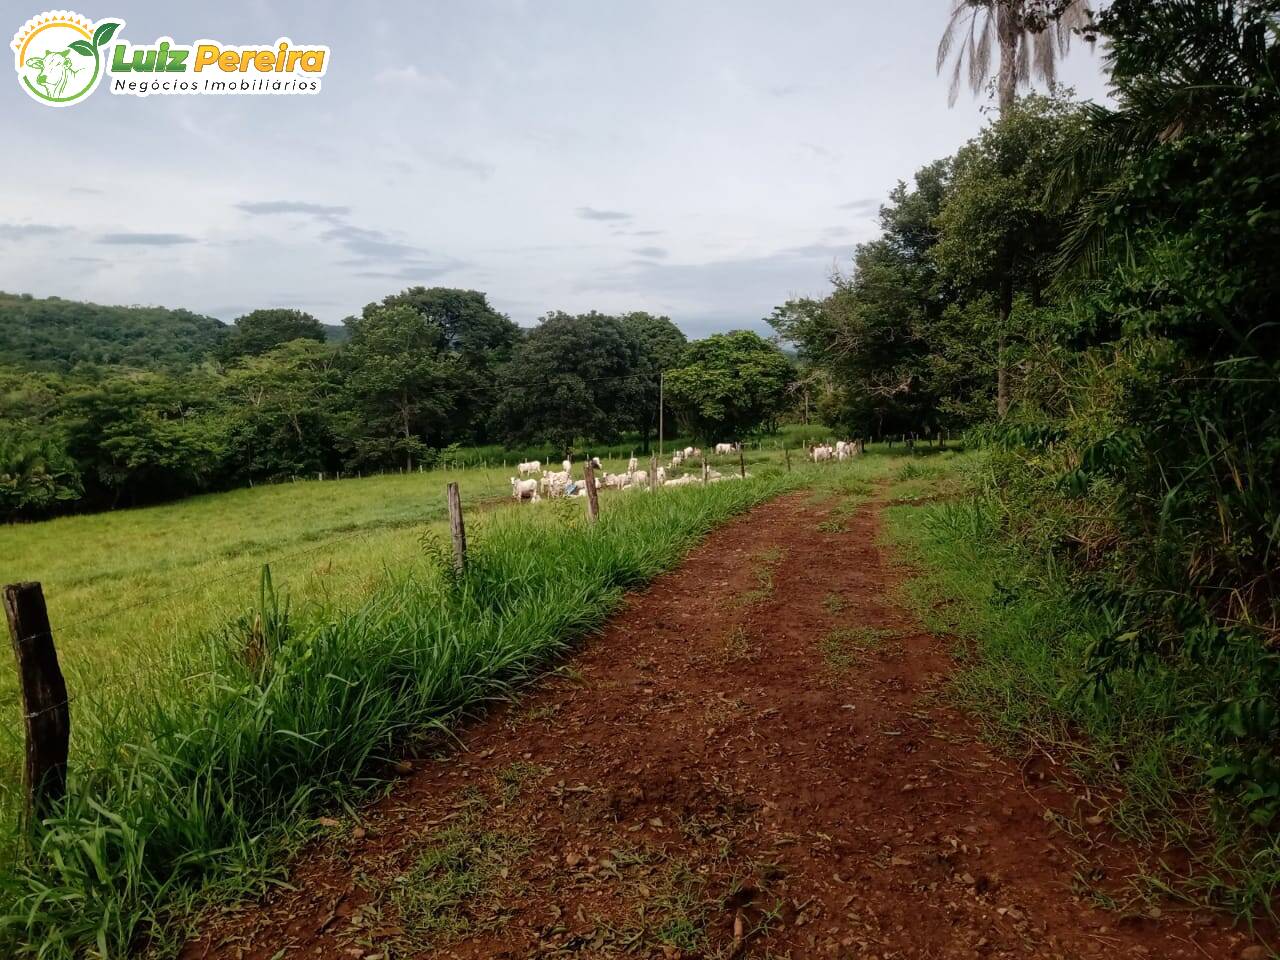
{"points": [[754, 759]]}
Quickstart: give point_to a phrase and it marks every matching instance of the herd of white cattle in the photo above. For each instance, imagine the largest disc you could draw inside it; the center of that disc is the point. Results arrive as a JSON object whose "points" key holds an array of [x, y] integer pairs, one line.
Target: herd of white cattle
{"points": [[536, 481], [843, 450]]}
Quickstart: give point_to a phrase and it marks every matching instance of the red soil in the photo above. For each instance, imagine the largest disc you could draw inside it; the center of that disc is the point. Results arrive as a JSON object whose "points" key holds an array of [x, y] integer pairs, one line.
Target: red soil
{"points": [[717, 775]]}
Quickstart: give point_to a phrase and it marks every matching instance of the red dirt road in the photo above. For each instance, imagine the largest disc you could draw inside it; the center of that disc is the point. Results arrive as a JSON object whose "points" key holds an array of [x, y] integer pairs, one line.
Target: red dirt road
{"points": [[755, 759]]}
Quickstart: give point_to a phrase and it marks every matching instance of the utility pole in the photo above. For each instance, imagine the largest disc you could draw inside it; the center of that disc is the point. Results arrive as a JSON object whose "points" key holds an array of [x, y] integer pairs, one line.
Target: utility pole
{"points": [[662, 378]]}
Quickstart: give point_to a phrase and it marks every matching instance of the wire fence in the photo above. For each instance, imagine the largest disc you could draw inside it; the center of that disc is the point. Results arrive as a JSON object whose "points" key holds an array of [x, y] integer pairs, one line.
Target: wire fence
{"points": [[118, 680]]}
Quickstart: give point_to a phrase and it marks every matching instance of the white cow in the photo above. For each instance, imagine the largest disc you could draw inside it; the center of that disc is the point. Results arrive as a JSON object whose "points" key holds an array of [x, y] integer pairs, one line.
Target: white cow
{"points": [[684, 481], [662, 475], [688, 452], [554, 483], [726, 448], [524, 489], [529, 466], [616, 481], [632, 464], [639, 478], [567, 465], [677, 458], [820, 453]]}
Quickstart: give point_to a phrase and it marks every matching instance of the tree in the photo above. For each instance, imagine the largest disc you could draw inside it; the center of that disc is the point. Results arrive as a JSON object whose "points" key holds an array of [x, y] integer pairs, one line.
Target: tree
{"points": [[1030, 36], [658, 344], [281, 408], [470, 327], [144, 437], [481, 339], [261, 330], [998, 235], [883, 341], [400, 387], [729, 385], [572, 377], [37, 475]]}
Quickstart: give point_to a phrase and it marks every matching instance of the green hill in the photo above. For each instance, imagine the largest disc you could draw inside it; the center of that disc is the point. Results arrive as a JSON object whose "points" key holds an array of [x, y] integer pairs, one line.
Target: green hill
{"points": [[57, 334]]}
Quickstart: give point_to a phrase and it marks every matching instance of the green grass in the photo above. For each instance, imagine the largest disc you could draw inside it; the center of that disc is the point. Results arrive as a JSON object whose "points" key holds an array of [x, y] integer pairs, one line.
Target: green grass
{"points": [[1023, 637], [196, 785], [844, 647], [762, 568], [455, 885], [211, 724]]}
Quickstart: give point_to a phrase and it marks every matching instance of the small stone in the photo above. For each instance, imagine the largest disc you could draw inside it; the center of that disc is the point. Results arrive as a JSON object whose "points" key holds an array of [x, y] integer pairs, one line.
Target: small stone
{"points": [[1254, 952], [359, 833]]}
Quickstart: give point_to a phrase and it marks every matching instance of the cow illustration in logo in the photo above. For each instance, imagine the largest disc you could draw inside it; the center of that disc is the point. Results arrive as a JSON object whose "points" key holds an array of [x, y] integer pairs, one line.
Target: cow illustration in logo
{"points": [[60, 55], [56, 71]]}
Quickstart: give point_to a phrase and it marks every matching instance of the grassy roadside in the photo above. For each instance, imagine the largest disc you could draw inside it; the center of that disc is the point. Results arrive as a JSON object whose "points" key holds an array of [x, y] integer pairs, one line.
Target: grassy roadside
{"points": [[1023, 637], [196, 787]]}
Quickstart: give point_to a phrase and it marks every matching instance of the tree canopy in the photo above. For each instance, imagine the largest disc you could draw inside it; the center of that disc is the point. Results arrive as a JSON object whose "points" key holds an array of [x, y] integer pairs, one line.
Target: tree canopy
{"points": [[729, 386], [261, 330]]}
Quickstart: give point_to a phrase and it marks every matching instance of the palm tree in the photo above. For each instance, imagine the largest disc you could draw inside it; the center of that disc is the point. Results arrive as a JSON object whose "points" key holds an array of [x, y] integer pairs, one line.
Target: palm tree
{"points": [[1031, 35]]}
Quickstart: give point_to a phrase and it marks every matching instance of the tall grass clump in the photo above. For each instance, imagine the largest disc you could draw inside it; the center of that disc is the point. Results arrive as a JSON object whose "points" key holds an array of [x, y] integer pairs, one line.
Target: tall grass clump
{"points": [[197, 787], [1148, 737]]}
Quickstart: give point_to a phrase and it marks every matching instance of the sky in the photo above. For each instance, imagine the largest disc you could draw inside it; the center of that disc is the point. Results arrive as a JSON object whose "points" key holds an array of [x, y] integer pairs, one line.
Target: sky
{"points": [[706, 161]]}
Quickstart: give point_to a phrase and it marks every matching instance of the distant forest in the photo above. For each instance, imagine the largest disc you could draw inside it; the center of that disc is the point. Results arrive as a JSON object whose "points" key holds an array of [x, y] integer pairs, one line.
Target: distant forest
{"points": [[56, 334], [118, 406]]}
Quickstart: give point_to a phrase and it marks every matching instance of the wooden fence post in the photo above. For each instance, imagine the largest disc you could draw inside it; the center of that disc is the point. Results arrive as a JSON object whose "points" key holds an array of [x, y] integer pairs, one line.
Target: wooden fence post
{"points": [[786, 452], [704, 469], [45, 709], [456, 528], [742, 464], [593, 504]]}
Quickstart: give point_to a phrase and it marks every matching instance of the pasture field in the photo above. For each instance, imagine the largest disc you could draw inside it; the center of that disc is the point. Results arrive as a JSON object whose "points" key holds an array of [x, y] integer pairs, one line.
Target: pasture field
{"points": [[124, 587], [199, 718]]}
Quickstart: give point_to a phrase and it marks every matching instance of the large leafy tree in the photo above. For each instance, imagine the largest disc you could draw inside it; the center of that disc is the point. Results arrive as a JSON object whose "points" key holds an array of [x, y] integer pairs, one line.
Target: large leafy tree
{"points": [[400, 390], [998, 235], [885, 340], [730, 385], [478, 336], [261, 330], [281, 410], [1029, 36], [145, 437], [470, 327], [658, 345], [572, 377]]}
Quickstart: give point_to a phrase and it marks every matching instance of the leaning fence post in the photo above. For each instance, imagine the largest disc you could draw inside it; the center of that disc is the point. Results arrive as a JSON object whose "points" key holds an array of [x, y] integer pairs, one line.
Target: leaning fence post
{"points": [[46, 711], [456, 528], [593, 504], [742, 464]]}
